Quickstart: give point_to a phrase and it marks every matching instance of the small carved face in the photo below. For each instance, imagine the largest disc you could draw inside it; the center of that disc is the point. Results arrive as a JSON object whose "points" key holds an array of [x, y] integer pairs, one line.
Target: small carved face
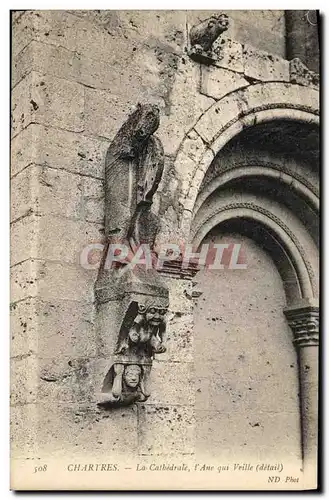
{"points": [[155, 316], [223, 20], [132, 375]]}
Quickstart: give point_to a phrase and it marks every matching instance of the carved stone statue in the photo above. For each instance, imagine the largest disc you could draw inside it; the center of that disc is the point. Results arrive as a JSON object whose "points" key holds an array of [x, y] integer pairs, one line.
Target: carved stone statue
{"points": [[203, 35], [124, 385], [133, 170], [142, 331]]}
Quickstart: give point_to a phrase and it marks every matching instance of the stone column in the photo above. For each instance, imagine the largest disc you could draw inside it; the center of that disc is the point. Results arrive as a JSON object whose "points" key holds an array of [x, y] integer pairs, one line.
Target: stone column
{"points": [[304, 322]]}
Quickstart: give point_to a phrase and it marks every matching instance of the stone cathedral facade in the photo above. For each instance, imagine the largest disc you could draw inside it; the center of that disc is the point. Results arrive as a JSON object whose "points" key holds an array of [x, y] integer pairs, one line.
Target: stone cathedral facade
{"points": [[179, 127]]}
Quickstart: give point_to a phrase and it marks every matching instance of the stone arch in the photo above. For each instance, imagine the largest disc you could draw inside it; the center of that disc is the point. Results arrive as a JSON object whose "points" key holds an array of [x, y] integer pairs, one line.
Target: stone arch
{"points": [[300, 186], [222, 198], [225, 119], [297, 272]]}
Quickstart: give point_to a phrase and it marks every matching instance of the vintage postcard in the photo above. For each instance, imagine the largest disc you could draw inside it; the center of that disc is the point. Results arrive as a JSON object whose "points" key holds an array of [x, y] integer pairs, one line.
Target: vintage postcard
{"points": [[164, 249]]}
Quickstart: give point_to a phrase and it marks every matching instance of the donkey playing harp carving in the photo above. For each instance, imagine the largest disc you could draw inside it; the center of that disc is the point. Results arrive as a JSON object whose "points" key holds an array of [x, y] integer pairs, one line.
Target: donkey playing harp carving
{"points": [[133, 170]]}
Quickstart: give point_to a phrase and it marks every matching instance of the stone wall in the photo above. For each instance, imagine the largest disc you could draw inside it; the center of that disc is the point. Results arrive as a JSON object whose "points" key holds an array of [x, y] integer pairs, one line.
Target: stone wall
{"points": [[76, 75]]}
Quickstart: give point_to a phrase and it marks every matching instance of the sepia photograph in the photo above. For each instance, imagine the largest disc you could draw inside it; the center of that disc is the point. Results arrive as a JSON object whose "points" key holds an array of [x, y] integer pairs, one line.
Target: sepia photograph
{"points": [[164, 249]]}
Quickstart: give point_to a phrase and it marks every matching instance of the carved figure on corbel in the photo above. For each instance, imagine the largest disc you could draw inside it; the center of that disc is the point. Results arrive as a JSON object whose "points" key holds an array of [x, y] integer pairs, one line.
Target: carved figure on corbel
{"points": [[140, 337], [203, 36], [133, 170]]}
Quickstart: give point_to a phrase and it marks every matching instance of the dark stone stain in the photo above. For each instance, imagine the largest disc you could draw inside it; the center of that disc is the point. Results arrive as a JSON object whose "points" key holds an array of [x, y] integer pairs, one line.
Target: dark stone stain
{"points": [[34, 104]]}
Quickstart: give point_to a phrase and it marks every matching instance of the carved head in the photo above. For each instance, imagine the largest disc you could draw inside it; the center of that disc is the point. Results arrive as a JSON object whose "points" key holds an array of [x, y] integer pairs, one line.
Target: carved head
{"points": [[223, 21], [155, 316], [217, 24], [147, 119], [132, 375]]}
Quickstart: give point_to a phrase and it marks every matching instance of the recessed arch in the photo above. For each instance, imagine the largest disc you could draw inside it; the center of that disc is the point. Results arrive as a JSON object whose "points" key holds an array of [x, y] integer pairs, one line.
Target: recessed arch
{"points": [[245, 171], [290, 257], [225, 119]]}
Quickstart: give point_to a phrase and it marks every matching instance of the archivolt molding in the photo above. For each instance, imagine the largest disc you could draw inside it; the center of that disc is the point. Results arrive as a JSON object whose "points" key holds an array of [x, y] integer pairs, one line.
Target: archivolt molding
{"points": [[227, 173], [262, 102], [291, 243]]}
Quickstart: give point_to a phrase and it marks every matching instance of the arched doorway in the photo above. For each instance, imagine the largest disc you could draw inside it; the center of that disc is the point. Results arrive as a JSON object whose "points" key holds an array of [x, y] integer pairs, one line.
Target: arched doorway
{"points": [[260, 191]]}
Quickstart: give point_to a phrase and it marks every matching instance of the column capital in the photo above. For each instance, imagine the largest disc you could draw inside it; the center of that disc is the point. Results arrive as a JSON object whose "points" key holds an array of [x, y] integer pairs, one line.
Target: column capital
{"points": [[304, 322]]}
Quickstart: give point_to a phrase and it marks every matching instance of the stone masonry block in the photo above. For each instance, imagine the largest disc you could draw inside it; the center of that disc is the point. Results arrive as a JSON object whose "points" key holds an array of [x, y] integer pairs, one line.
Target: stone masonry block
{"points": [[171, 383], [217, 82], [238, 436], [51, 281], [165, 430], [47, 100], [23, 419], [66, 380], [22, 32], [52, 329], [263, 66], [210, 124], [61, 62], [179, 295], [23, 379], [23, 327], [105, 113], [41, 190], [179, 338], [187, 104], [273, 93], [23, 280], [31, 237], [60, 149], [229, 54], [221, 390], [83, 430]]}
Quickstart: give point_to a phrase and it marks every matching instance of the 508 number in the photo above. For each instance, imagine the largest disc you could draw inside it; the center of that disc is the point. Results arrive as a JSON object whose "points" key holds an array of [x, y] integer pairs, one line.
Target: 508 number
{"points": [[40, 468]]}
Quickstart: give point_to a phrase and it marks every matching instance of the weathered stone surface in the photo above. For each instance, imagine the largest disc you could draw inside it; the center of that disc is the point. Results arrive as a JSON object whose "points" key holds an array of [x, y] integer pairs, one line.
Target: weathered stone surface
{"points": [[23, 431], [47, 100], [264, 66], [243, 441], [29, 234], [217, 82], [299, 73], [179, 293], [179, 338], [23, 280], [222, 112], [184, 108], [81, 424], [165, 430], [273, 93], [52, 280], [23, 327], [23, 379], [60, 149], [41, 190], [67, 328], [178, 388], [22, 33], [229, 55]]}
